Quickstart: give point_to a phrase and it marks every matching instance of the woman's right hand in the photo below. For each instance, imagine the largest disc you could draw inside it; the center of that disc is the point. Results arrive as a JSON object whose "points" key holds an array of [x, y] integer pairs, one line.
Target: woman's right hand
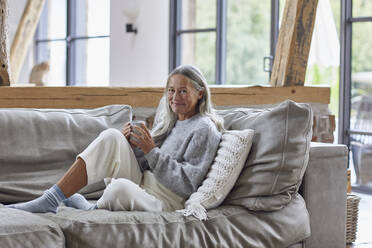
{"points": [[126, 130]]}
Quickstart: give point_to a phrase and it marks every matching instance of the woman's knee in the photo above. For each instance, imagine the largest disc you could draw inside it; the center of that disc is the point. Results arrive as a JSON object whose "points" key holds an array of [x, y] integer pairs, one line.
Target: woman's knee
{"points": [[112, 136], [111, 133]]}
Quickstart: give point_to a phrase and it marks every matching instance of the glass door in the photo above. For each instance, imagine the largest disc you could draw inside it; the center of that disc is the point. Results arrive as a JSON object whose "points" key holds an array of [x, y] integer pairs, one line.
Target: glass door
{"points": [[357, 90]]}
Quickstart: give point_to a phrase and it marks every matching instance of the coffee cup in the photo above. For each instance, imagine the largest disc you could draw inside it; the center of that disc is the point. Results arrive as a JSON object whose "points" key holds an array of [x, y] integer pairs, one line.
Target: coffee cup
{"points": [[134, 130]]}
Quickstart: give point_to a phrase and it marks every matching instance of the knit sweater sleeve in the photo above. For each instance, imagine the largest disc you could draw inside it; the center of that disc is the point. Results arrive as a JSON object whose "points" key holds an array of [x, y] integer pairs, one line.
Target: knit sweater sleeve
{"points": [[142, 161], [140, 156], [184, 177]]}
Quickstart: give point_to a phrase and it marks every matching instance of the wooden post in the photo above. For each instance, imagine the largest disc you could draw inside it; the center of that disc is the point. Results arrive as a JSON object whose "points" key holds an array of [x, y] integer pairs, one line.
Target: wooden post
{"points": [[292, 49], [4, 56], [24, 34]]}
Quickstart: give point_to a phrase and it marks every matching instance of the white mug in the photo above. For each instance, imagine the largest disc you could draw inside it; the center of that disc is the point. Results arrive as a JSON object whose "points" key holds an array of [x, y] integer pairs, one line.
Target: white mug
{"points": [[138, 124]]}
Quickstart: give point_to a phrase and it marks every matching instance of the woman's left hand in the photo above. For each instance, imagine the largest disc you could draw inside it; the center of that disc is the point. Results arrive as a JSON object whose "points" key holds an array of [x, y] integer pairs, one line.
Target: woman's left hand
{"points": [[143, 140]]}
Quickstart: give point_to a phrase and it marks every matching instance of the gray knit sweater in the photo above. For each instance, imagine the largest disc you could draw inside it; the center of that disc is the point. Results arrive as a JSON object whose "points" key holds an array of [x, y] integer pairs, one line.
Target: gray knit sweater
{"points": [[184, 157]]}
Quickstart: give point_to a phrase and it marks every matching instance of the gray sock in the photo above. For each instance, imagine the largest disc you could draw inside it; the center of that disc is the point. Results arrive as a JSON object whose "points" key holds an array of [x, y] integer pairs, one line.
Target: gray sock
{"points": [[48, 202], [78, 201]]}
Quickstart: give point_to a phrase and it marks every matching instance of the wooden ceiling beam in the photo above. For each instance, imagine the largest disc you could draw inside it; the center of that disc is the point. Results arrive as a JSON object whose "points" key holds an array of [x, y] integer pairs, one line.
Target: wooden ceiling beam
{"points": [[293, 46]]}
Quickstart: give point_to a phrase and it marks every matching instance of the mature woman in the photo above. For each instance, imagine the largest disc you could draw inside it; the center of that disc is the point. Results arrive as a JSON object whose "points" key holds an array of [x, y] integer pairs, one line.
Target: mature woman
{"points": [[146, 172]]}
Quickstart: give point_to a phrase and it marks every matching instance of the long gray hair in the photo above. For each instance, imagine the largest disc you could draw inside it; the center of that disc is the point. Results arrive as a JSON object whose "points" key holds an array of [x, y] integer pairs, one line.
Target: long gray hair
{"points": [[166, 118]]}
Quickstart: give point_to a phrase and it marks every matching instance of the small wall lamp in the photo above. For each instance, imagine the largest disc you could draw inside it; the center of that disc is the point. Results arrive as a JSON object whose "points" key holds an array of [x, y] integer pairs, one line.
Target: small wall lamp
{"points": [[130, 28], [131, 11]]}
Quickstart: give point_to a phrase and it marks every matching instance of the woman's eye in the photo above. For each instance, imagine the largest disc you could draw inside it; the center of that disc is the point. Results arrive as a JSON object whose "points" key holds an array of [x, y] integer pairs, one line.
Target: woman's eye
{"points": [[183, 91], [170, 91]]}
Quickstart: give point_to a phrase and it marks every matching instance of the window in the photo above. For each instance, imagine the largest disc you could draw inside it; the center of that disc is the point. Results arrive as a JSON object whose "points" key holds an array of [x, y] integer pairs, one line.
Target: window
{"points": [[323, 64], [227, 40], [73, 36], [356, 68], [355, 118]]}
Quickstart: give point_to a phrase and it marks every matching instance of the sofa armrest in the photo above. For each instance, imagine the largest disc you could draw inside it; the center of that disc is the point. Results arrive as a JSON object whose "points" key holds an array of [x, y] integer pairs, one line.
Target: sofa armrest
{"points": [[324, 190]]}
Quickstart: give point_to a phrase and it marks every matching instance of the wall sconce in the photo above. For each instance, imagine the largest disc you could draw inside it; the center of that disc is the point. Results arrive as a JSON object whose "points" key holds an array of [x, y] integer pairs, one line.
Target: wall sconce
{"points": [[131, 12], [130, 28]]}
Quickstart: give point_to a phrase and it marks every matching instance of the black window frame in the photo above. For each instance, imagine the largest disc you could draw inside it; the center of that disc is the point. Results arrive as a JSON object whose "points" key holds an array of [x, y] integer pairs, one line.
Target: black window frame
{"points": [[347, 21], [70, 38], [175, 32]]}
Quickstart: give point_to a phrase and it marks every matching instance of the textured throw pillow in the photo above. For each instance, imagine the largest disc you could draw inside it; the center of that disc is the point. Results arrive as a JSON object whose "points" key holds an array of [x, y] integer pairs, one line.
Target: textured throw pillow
{"points": [[279, 154], [37, 146], [228, 163]]}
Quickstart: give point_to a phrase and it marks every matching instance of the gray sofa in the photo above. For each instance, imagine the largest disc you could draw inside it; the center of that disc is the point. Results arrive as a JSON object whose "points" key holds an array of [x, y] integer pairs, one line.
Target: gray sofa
{"points": [[291, 192]]}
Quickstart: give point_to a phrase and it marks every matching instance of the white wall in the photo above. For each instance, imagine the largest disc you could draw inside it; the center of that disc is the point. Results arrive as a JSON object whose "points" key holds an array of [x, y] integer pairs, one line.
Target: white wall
{"points": [[139, 59], [135, 60], [16, 8]]}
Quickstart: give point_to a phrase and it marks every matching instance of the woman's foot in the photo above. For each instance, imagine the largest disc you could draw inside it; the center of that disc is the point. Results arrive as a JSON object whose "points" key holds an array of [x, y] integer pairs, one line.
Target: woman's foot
{"points": [[48, 202], [78, 201]]}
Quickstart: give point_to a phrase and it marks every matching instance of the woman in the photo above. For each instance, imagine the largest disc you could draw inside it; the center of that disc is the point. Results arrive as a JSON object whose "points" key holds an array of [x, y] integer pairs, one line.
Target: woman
{"points": [[155, 172]]}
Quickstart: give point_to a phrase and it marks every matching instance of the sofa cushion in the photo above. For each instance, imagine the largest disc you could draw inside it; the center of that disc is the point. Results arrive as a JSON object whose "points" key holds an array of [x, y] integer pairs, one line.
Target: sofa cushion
{"points": [[279, 154], [37, 146], [225, 169], [22, 229], [226, 226]]}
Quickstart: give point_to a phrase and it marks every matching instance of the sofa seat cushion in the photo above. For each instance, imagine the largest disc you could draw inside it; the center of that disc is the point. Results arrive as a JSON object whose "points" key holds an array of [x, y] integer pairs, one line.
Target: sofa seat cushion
{"points": [[37, 146], [23, 229], [278, 157], [226, 226]]}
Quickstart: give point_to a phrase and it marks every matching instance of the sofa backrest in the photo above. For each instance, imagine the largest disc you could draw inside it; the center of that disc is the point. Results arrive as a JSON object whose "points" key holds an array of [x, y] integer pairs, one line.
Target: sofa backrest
{"points": [[37, 146]]}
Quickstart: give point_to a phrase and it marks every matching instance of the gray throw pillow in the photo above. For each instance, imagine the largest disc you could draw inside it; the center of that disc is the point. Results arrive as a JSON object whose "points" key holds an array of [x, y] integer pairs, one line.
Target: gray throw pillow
{"points": [[37, 146], [278, 158]]}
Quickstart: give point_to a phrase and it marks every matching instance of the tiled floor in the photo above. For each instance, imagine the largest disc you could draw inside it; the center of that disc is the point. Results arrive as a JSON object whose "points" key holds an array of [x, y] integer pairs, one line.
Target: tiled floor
{"points": [[364, 231]]}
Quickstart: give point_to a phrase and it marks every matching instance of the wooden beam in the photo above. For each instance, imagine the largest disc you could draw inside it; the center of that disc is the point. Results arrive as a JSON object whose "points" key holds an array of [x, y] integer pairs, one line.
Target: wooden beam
{"points": [[91, 97], [23, 37], [256, 95], [4, 55], [293, 46]]}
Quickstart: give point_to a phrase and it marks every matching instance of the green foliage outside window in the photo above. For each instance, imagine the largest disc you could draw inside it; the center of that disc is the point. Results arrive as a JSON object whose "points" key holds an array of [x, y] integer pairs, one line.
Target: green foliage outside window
{"points": [[248, 41]]}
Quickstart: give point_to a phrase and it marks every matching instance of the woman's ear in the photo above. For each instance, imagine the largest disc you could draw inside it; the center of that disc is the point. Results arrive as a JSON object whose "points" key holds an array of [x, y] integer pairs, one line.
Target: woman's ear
{"points": [[200, 94]]}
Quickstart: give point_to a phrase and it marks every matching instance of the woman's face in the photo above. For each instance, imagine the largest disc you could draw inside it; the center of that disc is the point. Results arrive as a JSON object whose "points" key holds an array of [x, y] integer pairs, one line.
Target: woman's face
{"points": [[182, 96]]}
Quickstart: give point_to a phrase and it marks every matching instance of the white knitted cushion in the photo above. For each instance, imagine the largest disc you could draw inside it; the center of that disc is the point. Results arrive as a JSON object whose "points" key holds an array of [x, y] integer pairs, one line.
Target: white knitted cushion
{"points": [[228, 163]]}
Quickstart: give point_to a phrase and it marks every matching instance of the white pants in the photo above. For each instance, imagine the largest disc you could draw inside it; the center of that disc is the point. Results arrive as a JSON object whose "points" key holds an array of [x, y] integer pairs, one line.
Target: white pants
{"points": [[111, 158]]}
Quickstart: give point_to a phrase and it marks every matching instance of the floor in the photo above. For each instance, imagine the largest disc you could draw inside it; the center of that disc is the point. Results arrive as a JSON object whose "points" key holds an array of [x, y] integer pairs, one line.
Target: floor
{"points": [[364, 229]]}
